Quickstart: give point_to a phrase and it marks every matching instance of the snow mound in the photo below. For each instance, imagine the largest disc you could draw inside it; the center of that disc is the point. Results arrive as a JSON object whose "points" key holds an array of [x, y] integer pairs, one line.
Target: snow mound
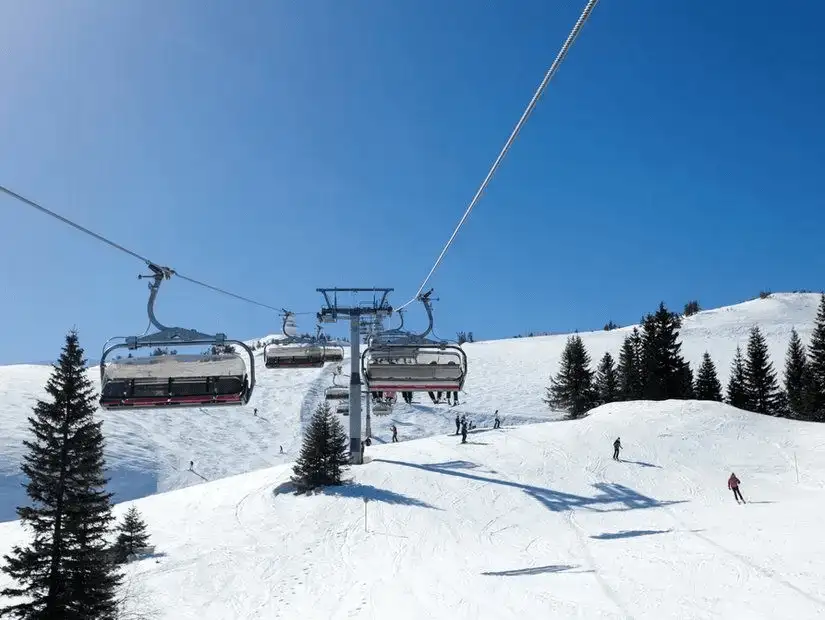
{"points": [[534, 521]]}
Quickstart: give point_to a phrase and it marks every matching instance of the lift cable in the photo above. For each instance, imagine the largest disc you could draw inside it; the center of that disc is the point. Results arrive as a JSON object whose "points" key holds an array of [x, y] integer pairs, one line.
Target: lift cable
{"points": [[143, 259], [548, 76]]}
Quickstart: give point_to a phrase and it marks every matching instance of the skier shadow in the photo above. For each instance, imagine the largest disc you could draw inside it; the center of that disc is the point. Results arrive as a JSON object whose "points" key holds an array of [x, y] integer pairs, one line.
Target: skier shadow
{"points": [[374, 494], [536, 570], [642, 463], [628, 534], [610, 497]]}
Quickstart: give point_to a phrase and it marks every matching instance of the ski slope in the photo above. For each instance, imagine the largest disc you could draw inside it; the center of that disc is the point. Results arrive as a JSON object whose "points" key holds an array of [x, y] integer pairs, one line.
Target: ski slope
{"points": [[521, 522], [150, 451]]}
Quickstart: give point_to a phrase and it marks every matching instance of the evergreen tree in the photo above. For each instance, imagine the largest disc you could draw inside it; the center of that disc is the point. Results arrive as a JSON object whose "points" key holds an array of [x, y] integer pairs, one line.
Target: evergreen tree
{"points": [[761, 385], [572, 389], [663, 368], [707, 383], [797, 378], [686, 382], [816, 364], [324, 453], [64, 573], [132, 535], [607, 380], [737, 395], [629, 368]]}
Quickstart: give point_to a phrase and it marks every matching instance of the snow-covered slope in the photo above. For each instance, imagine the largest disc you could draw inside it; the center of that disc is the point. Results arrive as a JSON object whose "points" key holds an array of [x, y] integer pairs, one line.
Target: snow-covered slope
{"points": [[150, 451], [523, 522]]}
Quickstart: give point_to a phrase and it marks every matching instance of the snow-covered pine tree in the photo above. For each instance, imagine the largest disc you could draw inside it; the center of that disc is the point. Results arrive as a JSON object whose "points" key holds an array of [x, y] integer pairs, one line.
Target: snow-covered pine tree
{"points": [[663, 368], [760, 378], [324, 453], [737, 395], [607, 380], [816, 364], [629, 370], [707, 382], [132, 535], [572, 389], [797, 378], [64, 572]]}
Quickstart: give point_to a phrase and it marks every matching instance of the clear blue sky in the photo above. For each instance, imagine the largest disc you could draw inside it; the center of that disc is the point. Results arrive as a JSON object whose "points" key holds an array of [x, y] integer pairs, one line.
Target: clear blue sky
{"points": [[678, 154]]}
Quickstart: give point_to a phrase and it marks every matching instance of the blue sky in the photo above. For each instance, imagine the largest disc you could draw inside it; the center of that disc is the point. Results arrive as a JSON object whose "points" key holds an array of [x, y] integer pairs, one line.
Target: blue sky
{"points": [[274, 147]]}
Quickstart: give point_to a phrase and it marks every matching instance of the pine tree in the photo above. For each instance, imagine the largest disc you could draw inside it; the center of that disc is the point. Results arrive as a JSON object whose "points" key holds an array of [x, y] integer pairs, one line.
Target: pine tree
{"points": [[761, 385], [607, 380], [64, 573], [629, 368], [685, 378], [572, 389], [132, 535], [816, 364], [663, 368], [797, 378], [737, 395], [324, 453], [707, 383]]}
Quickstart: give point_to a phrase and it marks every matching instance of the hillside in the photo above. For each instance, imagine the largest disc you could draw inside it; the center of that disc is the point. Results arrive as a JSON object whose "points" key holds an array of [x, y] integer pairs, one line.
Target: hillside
{"points": [[521, 522], [150, 451]]}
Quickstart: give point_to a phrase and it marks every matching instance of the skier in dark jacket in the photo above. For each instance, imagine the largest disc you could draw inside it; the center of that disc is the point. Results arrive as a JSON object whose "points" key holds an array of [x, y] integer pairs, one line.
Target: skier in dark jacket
{"points": [[496, 421], [733, 485], [617, 445], [394, 433], [457, 424], [464, 432]]}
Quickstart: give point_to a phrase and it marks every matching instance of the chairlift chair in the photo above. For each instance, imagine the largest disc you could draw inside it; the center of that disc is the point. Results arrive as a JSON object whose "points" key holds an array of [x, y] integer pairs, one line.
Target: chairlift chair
{"points": [[407, 362], [169, 381], [293, 351]]}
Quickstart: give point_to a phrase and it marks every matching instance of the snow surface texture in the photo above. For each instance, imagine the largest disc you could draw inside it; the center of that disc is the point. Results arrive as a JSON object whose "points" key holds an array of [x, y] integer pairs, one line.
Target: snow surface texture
{"points": [[149, 451], [529, 522]]}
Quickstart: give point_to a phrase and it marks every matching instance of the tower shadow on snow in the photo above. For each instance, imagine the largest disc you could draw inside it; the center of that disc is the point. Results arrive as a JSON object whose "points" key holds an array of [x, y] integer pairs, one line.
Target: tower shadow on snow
{"points": [[642, 463], [610, 497]]}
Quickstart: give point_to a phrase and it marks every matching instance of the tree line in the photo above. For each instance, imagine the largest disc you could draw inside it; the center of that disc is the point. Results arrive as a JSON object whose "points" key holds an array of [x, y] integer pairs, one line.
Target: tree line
{"points": [[650, 366]]}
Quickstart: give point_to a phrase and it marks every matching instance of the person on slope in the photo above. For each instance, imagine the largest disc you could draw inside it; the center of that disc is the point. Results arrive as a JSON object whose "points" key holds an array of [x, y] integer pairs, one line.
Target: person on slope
{"points": [[464, 431], [496, 421], [733, 485], [394, 433], [457, 424], [617, 445]]}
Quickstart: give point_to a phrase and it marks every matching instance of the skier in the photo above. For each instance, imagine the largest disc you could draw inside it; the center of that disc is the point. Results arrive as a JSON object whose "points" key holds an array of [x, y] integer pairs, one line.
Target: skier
{"points": [[255, 413], [455, 398], [394, 433], [496, 421], [449, 400], [617, 445], [457, 424], [191, 465], [733, 485], [282, 449], [464, 431]]}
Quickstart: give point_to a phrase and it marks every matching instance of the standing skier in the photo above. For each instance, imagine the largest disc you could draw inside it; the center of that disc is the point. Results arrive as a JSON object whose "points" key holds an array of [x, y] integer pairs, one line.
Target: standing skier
{"points": [[617, 445], [394, 433], [496, 421], [733, 485], [457, 424], [464, 431]]}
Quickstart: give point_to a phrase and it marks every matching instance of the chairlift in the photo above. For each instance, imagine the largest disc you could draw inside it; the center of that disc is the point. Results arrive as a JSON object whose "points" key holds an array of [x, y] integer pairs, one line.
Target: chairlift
{"points": [[408, 362], [219, 378], [335, 391], [294, 351]]}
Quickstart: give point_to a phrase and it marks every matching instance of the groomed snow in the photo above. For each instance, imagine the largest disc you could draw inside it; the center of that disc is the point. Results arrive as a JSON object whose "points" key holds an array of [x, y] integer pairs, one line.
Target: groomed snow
{"points": [[150, 451], [528, 522]]}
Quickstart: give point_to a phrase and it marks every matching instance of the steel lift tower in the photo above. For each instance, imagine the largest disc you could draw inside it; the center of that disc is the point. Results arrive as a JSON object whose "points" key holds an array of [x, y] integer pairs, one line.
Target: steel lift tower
{"points": [[379, 308]]}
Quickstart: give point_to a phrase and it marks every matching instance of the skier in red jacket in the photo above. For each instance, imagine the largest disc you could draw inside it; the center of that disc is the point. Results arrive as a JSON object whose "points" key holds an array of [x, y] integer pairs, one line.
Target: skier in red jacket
{"points": [[733, 485]]}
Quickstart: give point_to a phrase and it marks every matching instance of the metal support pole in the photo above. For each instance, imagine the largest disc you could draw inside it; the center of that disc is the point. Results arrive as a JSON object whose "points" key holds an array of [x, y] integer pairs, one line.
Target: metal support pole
{"points": [[356, 457], [368, 429]]}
